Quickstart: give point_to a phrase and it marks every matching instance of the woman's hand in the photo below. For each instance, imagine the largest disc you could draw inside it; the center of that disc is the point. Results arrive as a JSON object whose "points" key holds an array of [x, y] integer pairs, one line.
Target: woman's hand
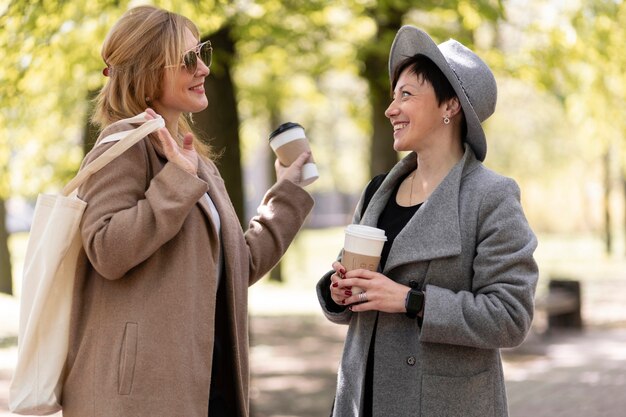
{"points": [[293, 172], [185, 157], [339, 295], [381, 293]]}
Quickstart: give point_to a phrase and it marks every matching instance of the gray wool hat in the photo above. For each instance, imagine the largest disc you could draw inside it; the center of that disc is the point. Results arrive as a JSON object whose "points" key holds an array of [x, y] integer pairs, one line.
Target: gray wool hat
{"points": [[470, 77]]}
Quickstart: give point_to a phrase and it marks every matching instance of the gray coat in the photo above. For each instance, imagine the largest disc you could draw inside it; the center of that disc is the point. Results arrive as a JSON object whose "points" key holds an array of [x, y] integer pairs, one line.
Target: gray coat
{"points": [[470, 247]]}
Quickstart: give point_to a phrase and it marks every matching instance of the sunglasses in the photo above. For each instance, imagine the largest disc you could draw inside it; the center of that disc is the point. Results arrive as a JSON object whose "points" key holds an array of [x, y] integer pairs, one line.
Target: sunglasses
{"points": [[202, 51]]}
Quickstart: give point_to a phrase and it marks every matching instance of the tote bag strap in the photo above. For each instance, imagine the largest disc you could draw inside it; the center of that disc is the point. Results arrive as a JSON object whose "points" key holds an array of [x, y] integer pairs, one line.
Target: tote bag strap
{"points": [[126, 139]]}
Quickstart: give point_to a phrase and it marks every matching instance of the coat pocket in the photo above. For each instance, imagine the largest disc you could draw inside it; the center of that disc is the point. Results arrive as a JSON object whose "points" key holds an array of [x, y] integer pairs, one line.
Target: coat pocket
{"points": [[458, 396], [128, 356]]}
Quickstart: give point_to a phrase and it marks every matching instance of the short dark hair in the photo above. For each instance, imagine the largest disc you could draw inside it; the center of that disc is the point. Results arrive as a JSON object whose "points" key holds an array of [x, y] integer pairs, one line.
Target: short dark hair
{"points": [[421, 65]]}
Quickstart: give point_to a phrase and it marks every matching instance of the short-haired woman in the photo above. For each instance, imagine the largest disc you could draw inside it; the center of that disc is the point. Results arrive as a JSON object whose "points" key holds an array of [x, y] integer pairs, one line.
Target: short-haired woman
{"points": [[457, 276]]}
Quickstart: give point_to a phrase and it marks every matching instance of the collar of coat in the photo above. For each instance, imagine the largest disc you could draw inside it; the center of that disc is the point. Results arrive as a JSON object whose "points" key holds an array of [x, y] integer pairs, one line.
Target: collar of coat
{"points": [[434, 230]]}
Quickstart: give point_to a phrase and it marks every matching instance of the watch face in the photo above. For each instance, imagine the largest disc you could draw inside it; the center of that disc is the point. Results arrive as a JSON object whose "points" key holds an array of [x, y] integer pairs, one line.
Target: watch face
{"points": [[414, 302]]}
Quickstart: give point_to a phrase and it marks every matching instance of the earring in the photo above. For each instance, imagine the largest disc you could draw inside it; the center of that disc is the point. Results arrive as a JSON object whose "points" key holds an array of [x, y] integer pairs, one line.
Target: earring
{"points": [[446, 120], [147, 99]]}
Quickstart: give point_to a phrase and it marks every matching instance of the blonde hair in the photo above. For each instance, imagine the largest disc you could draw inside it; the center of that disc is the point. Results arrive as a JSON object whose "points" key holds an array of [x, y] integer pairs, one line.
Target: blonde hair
{"points": [[136, 51]]}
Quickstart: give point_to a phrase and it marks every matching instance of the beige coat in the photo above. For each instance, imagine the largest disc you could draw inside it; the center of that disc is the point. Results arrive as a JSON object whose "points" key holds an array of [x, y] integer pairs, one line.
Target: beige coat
{"points": [[144, 303]]}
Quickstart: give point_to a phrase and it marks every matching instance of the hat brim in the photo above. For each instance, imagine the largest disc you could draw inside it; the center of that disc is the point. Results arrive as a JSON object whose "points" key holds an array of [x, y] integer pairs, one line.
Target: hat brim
{"points": [[410, 41]]}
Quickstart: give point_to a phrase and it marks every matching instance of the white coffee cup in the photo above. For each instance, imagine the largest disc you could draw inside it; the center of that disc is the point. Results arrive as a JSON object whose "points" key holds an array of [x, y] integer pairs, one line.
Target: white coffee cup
{"points": [[288, 142], [362, 248]]}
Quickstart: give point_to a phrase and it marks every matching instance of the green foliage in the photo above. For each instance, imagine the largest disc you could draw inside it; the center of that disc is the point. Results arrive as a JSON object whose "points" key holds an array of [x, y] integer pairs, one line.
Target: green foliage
{"points": [[51, 62], [293, 60], [582, 62], [571, 51], [526, 135], [290, 55]]}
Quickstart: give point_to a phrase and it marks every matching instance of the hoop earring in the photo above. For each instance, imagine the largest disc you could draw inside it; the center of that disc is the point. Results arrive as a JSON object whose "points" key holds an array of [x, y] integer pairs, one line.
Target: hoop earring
{"points": [[446, 120]]}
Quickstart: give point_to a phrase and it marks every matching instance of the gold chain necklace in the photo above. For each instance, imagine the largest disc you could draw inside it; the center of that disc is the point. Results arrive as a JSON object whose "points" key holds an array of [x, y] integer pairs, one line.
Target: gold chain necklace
{"points": [[411, 192]]}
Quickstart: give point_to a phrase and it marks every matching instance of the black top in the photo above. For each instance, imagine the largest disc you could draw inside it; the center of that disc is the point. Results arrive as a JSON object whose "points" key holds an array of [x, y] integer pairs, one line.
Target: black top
{"points": [[392, 220]]}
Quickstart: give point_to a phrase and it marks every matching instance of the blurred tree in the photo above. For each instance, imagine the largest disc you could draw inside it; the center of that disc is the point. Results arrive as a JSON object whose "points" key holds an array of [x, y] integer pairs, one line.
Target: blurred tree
{"points": [[582, 62], [45, 46], [279, 52], [52, 44], [264, 34], [220, 120], [459, 19], [6, 282], [262, 30]]}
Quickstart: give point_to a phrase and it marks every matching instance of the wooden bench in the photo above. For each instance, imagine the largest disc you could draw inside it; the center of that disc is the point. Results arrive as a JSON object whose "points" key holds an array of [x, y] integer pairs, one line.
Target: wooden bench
{"points": [[562, 304]]}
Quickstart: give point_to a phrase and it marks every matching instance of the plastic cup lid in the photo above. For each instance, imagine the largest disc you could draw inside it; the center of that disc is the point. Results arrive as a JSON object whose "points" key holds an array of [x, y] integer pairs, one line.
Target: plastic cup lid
{"points": [[283, 128], [366, 232]]}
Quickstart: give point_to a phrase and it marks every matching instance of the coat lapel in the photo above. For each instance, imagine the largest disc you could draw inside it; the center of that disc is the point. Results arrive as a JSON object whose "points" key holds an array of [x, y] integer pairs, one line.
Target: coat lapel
{"points": [[434, 231], [216, 184], [231, 241], [204, 174]]}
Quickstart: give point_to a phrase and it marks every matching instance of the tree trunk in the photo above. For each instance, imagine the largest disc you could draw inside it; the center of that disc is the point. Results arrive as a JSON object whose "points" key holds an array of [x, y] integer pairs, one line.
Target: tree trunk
{"points": [[219, 122], [276, 274], [90, 132], [624, 200], [382, 155], [608, 236], [6, 280]]}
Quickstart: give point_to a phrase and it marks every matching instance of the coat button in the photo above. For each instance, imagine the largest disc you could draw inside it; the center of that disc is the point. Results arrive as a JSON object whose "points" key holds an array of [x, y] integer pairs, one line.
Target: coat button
{"points": [[411, 360], [413, 284]]}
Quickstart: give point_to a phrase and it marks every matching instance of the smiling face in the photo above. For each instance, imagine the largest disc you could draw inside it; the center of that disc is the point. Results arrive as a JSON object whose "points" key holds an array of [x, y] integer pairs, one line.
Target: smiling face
{"points": [[182, 91], [415, 114]]}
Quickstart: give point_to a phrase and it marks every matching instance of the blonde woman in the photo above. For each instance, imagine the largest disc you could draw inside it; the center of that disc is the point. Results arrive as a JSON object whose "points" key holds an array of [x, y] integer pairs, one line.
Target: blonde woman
{"points": [[159, 324]]}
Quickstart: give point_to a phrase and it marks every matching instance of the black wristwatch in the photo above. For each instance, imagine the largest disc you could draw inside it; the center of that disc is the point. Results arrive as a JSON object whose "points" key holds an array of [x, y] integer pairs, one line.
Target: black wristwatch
{"points": [[414, 303]]}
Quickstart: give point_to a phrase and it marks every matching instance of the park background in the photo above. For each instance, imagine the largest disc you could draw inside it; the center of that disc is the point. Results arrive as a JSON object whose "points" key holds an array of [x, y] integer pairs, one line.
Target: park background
{"points": [[559, 130]]}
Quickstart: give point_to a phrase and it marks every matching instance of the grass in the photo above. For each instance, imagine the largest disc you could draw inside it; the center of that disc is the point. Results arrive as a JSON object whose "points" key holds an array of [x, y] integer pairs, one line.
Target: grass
{"points": [[313, 251], [308, 258]]}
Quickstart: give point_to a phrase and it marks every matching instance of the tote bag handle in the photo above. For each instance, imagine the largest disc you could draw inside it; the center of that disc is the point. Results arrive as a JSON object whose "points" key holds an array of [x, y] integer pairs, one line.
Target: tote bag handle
{"points": [[126, 139]]}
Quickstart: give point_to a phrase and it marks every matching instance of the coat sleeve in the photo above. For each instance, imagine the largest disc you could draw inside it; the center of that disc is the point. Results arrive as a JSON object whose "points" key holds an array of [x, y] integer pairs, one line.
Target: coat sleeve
{"points": [[332, 311], [498, 311], [130, 214], [279, 218]]}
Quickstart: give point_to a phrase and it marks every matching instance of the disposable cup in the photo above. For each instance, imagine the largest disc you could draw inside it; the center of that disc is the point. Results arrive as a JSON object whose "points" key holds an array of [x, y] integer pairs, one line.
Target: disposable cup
{"points": [[362, 248], [288, 142]]}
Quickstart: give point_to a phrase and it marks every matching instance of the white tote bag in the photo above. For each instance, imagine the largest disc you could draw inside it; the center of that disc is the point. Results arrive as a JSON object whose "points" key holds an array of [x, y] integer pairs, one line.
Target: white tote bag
{"points": [[48, 281]]}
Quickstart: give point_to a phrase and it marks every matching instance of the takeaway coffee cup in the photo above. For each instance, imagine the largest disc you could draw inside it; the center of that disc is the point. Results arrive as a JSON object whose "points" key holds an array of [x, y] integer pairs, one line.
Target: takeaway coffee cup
{"points": [[288, 141], [362, 248]]}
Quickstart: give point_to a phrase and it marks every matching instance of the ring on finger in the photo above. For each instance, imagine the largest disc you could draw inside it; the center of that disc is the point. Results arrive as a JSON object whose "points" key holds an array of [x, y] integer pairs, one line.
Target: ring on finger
{"points": [[362, 297]]}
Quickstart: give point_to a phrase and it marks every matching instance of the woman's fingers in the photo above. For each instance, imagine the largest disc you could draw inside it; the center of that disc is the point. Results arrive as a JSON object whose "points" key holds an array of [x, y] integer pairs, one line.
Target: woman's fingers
{"points": [[338, 294], [186, 158], [339, 268], [169, 145], [293, 172], [188, 142], [301, 160], [151, 114]]}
